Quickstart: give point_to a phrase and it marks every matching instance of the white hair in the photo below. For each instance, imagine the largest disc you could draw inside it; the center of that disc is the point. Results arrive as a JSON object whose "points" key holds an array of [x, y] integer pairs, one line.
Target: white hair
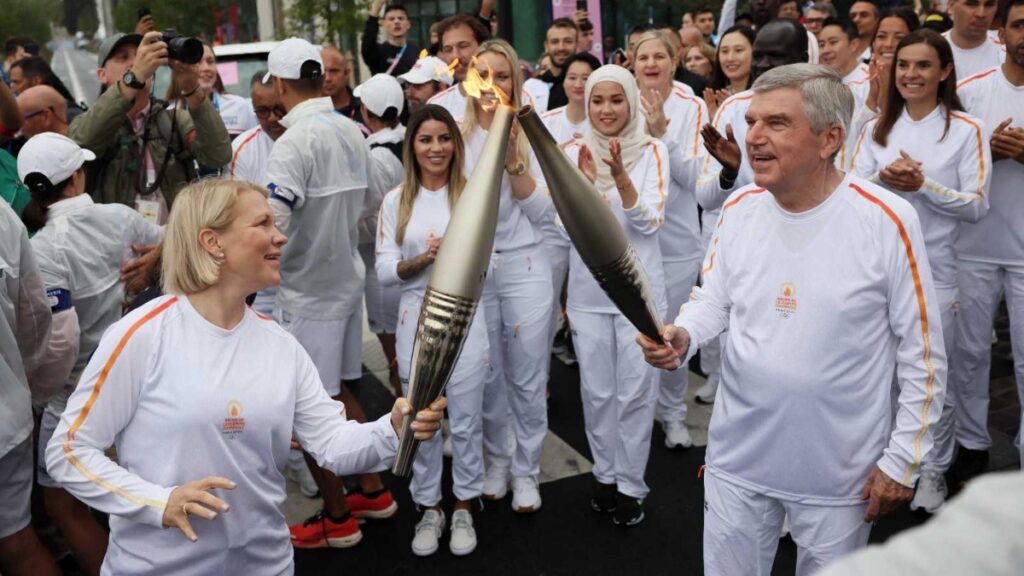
{"points": [[827, 101]]}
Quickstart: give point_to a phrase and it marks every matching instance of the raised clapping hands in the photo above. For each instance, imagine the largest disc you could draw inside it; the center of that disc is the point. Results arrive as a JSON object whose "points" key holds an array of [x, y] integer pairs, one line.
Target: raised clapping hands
{"points": [[904, 174], [714, 98], [666, 356], [883, 495], [588, 166], [195, 499], [725, 149], [878, 90], [652, 105], [1007, 142], [427, 422]]}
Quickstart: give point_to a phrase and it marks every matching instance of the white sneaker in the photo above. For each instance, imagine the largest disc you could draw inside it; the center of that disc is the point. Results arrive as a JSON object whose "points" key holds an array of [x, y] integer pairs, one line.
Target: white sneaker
{"points": [[428, 532], [463, 539], [706, 393], [525, 495], [676, 434], [301, 475], [495, 482], [931, 492]]}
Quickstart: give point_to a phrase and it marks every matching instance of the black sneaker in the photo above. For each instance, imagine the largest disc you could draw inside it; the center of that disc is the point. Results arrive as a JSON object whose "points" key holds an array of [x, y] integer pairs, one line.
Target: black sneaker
{"points": [[967, 465], [603, 500], [629, 511]]}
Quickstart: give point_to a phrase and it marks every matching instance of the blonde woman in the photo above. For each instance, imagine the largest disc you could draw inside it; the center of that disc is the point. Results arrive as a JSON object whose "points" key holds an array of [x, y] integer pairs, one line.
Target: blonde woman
{"points": [[412, 222], [518, 297], [630, 169], [200, 394], [680, 236]]}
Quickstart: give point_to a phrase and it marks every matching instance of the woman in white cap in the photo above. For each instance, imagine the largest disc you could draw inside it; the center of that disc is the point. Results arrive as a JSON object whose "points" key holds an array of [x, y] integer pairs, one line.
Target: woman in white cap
{"points": [[80, 247], [200, 393], [413, 220], [381, 102], [518, 295], [631, 171]]}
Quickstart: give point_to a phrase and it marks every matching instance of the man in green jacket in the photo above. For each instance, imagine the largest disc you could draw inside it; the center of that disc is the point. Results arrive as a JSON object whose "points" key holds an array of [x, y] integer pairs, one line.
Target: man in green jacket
{"points": [[145, 153]]}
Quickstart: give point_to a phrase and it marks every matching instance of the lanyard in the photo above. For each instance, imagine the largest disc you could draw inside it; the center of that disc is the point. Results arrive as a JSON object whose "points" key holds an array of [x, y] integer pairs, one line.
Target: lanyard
{"points": [[394, 63]]}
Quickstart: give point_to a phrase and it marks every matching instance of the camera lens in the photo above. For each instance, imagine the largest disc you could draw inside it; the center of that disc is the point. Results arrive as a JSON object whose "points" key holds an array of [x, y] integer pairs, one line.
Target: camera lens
{"points": [[185, 49]]}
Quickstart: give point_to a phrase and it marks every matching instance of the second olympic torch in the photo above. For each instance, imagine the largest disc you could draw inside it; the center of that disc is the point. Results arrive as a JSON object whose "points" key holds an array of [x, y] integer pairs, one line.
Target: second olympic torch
{"points": [[456, 282], [595, 233]]}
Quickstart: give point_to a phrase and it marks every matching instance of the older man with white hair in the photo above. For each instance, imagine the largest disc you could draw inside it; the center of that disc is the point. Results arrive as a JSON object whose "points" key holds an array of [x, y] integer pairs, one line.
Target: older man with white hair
{"points": [[821, 279]]}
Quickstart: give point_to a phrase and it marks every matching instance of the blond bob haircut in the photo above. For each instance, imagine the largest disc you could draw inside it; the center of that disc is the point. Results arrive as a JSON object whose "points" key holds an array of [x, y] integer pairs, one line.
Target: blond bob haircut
{"points": [[470, 121], [187, 267]]}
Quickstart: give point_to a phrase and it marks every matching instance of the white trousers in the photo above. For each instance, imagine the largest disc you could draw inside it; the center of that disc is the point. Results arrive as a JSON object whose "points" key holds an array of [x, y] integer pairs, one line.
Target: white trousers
{"points": [[742, 527], [558, 257], [518, 300], [381, 301], [619, 394], [680, 278], [465, 393], [941, 455], [980, 287]]}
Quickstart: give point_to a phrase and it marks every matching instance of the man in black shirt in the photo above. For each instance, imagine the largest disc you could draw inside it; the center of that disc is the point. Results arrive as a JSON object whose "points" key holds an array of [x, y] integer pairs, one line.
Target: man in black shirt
{"points": [[395, 56], [560, 44]]}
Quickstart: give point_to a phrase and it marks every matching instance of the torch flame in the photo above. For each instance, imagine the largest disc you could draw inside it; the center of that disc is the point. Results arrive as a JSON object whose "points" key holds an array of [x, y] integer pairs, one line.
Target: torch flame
{"points": [[476, 86]]}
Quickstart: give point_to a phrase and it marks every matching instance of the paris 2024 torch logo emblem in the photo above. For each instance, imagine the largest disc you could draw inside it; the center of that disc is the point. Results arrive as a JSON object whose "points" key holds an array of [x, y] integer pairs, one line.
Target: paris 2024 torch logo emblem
{"points": [[234, 424], [785, 304]]}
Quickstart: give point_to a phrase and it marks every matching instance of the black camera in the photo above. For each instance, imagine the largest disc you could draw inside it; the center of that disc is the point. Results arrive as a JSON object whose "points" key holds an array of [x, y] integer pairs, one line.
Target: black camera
{"points": [[182, 48]]}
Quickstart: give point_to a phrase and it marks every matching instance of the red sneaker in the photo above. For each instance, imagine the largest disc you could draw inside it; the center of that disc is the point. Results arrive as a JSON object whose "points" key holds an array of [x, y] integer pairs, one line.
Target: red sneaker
{"points": [[377, 508], [319, 531]]}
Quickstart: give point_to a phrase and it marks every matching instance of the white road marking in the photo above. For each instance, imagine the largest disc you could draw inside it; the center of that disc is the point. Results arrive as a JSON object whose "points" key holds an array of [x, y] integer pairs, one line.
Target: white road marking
{"points": [[72, 73]]}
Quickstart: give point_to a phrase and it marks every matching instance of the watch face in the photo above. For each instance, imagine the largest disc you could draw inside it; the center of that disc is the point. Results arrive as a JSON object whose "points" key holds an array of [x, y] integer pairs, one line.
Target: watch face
{"points": [[129, 79]]}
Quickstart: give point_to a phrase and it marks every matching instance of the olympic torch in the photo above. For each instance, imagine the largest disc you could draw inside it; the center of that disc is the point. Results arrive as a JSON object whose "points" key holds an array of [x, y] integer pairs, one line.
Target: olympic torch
{"points": [[595, 233], [456, 282]]}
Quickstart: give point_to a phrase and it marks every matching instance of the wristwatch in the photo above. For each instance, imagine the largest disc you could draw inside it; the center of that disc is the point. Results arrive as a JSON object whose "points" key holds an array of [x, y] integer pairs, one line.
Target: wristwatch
{"points": [[130, 81], [518, 170]]}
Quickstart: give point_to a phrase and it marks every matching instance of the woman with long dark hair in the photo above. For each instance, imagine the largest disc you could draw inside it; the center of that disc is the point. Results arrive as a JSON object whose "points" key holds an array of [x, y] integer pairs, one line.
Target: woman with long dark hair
{"points": [[924, 147], [733, 66], [412, 223]]}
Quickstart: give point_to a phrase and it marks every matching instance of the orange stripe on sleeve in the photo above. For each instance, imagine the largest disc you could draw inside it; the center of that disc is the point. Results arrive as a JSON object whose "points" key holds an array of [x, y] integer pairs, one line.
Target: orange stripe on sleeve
{"points": [[234, 157], [721, 220], [87, 408], [981, 151], [925, 338], [977, 76], [661, 183]]}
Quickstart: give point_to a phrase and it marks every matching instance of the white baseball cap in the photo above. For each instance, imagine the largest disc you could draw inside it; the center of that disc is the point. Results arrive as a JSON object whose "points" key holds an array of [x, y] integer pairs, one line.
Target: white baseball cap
{"points": [[55, 156], [293, 59], [427, 69], [380, 93]]}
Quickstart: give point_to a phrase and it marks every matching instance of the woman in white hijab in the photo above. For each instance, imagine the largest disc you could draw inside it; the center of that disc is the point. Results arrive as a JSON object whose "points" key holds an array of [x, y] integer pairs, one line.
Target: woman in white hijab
{"points": [[631, 171]]}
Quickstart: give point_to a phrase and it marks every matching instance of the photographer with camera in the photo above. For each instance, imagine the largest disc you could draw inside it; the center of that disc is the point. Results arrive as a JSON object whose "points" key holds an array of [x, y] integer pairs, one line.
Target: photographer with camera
{"points": [[146, 153]]}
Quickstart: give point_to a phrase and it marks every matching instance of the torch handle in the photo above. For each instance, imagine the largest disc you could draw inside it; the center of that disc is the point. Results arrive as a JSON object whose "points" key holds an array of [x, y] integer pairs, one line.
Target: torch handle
{"points": [[407, 445]]}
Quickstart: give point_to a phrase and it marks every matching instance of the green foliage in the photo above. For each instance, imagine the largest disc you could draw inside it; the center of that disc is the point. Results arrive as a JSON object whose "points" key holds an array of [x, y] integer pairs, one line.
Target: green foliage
{"points": [[189, 17], [29, 18], [333, 19]]}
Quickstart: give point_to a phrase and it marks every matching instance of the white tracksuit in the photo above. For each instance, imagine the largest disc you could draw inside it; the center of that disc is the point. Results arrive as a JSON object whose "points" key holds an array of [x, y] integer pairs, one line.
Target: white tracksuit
{"points": [[183, 399], [957, 170], [681, 246], [385, 172], [557, 245], [711, 196], [991, 256], [465, 390], [318, 172], [619, 388], [976, 60], [80, 251], [24, 332], [517, 300], [822, 307]]}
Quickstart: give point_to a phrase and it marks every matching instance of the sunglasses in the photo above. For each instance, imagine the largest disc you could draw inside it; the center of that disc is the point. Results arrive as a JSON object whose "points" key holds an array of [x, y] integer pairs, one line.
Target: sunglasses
{"points": [[264, 112], [36, 113]]}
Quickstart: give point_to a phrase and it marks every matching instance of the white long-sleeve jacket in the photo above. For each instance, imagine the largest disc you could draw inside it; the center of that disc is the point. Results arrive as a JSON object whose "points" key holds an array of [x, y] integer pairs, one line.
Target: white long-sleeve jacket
{"points": [[822, 308], [183, 399]]}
